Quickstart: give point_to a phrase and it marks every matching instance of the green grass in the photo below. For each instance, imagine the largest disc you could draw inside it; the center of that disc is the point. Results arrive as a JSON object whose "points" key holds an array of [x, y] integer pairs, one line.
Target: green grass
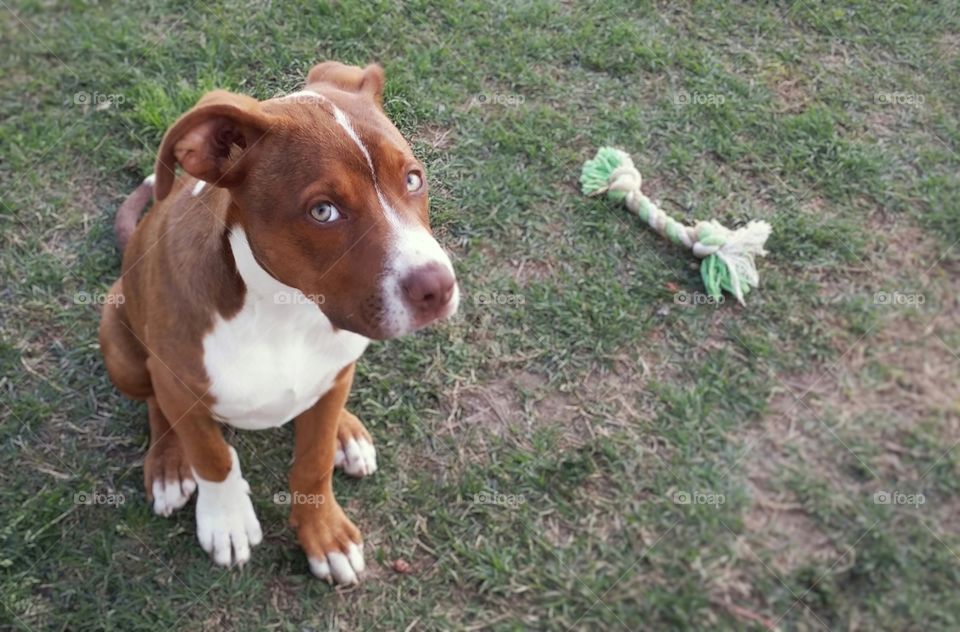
{"points": [[594, 401]]}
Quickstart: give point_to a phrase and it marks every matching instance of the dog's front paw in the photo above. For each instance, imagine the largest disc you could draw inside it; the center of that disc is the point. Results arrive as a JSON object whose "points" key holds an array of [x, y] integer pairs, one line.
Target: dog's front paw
{"points": [[227, 525], [338, 566], [170, 495], [227, 530], [355, 452], [167, 477], [332, 543]]}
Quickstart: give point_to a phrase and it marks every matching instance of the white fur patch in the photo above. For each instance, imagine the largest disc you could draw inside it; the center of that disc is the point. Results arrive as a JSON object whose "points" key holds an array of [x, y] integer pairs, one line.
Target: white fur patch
{"points": [[168, 496], [198, 187], [358, 457], [340, 568], [278, 355], [413, 247], [150, 179], [227, 525], [303, 95]]}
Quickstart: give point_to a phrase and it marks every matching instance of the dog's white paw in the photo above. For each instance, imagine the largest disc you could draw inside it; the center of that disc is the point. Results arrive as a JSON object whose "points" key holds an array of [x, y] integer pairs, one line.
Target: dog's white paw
{"points": [[168, 496], [227, 525], [227, 534], [338, 567], [357, 457]]}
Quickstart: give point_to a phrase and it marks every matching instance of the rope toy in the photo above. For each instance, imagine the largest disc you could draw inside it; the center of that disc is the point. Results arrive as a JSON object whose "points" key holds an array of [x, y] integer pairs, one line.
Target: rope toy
{"points": [[728, 255]]}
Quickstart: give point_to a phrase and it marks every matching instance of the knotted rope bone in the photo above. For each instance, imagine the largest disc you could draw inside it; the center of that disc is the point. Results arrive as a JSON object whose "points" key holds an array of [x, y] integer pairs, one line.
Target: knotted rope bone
{"points": [[728, 255]]}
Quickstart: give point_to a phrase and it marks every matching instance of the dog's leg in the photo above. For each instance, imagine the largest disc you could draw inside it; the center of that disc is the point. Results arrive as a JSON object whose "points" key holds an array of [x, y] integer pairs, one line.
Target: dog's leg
{"points": [[332, 543], [123, 355], [355, 451], [166, 473], [227, 525]]}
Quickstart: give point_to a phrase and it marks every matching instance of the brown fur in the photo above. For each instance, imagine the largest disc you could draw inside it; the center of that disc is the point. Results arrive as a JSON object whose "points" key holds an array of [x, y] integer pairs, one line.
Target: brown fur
{"points": [[129, 213]]}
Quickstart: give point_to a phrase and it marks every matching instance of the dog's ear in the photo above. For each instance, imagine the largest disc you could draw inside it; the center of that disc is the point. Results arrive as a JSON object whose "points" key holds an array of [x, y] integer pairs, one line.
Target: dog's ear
{"points": [[350, 78], [212, 141]]}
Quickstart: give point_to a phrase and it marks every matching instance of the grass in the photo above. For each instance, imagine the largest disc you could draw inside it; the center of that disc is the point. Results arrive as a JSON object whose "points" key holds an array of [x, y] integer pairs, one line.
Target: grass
{"points": [[590, 403]]}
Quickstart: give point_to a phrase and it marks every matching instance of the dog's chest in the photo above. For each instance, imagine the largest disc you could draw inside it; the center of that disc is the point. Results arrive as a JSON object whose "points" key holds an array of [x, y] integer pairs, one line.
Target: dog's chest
{"points": [[273, 360]]}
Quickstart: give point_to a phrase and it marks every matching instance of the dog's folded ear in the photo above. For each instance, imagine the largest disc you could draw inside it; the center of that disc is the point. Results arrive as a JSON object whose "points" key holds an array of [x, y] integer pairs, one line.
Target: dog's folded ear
{"points": [[212, 142], [350, 78]]}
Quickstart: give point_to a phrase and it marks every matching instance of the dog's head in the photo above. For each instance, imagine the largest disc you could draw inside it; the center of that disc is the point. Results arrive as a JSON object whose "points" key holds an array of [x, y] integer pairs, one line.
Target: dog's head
{"points": [[331, 198]]}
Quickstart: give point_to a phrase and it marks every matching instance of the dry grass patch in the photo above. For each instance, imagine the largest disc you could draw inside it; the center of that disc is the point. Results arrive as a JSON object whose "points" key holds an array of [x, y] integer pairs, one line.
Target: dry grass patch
{"points": [[885, 383], [603, 400]]}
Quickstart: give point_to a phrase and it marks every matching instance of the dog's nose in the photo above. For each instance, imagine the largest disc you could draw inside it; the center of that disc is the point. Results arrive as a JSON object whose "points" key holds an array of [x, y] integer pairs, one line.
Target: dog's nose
{"points": [[429, 288]]}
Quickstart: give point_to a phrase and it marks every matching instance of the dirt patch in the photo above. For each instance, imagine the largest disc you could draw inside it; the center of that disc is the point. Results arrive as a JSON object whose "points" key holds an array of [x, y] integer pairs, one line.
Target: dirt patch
{"points": [[882, 124], [776, 521], [792, 94], [434, 136], [949, 45], [790, 87], [883, 384], [839, 59], [522, 270], [600, 401], [525, 271], [509, 408]]}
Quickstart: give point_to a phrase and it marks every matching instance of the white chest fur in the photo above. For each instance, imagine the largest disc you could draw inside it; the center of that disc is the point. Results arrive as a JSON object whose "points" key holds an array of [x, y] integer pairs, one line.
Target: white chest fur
{"points": [[277, 356]]}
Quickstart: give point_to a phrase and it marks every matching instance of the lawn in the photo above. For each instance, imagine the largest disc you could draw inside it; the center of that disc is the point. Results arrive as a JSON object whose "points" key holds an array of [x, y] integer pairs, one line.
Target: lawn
{"points": [[578, 448]]}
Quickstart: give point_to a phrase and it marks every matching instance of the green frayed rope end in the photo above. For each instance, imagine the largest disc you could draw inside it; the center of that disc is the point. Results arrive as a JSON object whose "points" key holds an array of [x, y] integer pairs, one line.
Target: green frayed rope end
{"points": [[595, 175], [728, 256]]}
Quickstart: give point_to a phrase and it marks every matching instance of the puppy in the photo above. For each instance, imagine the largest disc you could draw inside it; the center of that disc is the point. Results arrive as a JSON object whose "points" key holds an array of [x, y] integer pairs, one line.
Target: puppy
{"points": [[297, 233]]}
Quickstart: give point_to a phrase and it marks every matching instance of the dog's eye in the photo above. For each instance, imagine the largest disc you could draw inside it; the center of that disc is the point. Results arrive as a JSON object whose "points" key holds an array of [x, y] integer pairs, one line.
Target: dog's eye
{"points": [[414, 181], [325, 212]]}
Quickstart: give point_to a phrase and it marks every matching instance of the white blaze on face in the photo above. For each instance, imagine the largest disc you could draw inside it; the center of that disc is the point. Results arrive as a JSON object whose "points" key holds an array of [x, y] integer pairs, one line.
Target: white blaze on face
{"points": [[412, 245]]}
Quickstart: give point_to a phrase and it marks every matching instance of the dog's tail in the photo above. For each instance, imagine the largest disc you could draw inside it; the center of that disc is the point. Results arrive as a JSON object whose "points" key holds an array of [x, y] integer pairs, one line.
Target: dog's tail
{"points": [[129, 212]]}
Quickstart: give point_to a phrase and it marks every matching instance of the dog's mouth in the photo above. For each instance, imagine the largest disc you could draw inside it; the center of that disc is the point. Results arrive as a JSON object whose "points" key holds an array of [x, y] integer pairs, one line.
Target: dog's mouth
{"points": [[370, 320], [374, 317], [379, 318]]}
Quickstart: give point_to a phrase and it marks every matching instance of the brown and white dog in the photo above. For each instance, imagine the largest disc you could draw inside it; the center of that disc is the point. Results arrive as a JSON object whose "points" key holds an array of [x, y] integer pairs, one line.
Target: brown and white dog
{"points": [[297, 233]]}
